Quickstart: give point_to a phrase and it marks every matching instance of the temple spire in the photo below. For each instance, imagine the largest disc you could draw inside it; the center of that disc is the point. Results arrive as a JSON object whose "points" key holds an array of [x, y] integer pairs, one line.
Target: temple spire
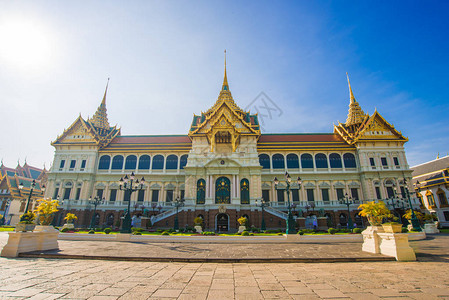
{"points": [[225, 86], [100, 118], [355, 113]]}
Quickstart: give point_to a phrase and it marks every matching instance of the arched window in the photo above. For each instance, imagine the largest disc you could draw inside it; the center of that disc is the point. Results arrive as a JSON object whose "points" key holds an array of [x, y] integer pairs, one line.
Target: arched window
{"points": [[110, 220], [349, 160], [335, 160], [321, 161], [278, 161], [172, 162], [264, 161], [306, 161], [343, 220], [183, 161], [200, 191], [117, 162], [105, 162], [430, 198], [292, 161], [144, 162], [158, 162], [131, 162], [244, 191]]}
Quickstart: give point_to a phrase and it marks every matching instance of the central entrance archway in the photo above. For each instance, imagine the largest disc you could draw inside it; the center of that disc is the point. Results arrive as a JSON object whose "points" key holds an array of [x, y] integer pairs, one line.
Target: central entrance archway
{"points": [[222, 223], [223, 191]]}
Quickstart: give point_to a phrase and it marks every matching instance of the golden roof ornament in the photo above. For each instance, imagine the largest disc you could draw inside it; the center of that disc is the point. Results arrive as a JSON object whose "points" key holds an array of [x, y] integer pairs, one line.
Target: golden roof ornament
{"points": [[100, 118], [355, 113]]}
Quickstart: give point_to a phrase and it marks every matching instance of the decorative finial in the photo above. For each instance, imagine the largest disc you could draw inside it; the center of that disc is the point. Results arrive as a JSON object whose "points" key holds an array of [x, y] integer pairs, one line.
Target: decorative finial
{"points": [[100, 118], [105, 92], [225, 80], [351, 95], [438, 155]]}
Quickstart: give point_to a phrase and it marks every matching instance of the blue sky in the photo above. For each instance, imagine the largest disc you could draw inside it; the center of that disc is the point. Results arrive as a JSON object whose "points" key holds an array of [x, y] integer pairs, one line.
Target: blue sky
{"points": [[165, 61]]}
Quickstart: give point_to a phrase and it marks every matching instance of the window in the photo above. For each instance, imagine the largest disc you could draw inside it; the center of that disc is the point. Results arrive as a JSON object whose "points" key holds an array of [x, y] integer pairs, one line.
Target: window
{"points": [[155, 196], [172, 162], [56, 193], [131, 162], [396, 161], [430, 199], [280, 194], [266, 195], [158, 162], [278, 161], [372, 162], [442, 198], [340, 193], [113, 195], [200, 191], [310, 195], [335, 161], [183, 161], [306, 161], [384, 161], [144, 162], [117, 162], [349, 160], [321, 161], [446, 215], [292, 161], [72, 164], [141, 195], [355, 194], [390, 192], [78, 193], [182, 194], [378, 195], [403, 192], [67, 193], [244, 191], [100, 193], [325, 194], [83, 164], [295, 195], [104, 163], [61, 164], [169, 196], [126, 196], [264, 161]]}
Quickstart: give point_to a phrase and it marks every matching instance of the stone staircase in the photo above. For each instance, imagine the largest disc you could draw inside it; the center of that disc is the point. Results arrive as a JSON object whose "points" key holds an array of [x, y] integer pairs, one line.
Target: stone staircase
{"points": [[277, 213], [164, 215]]}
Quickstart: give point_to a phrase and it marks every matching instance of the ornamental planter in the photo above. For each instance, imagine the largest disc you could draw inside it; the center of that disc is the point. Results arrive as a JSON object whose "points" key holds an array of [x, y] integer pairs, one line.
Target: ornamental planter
{"points": [[392, 228], [198, 228], [24, 227], [431, 228]]}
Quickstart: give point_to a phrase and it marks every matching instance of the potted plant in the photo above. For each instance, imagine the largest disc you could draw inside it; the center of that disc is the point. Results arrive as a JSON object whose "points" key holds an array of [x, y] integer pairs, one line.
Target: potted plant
{"points": [[46, 210], [26, 222], [418, 214], [243, 224], [374, 212], [198, 224], [70, 218]]}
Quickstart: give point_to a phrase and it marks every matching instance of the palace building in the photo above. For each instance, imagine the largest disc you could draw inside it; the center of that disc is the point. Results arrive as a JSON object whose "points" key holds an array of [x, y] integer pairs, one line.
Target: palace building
{"points": [[224, 166]]}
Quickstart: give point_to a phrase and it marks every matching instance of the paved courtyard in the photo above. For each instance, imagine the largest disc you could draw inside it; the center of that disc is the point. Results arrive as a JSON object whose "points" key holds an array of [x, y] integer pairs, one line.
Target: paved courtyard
{"points": [[28, 278]]}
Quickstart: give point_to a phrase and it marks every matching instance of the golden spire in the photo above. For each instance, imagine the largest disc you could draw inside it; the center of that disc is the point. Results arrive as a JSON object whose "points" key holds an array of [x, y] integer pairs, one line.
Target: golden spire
{"points": [[100, 118], [355, 113], [225, 86]]}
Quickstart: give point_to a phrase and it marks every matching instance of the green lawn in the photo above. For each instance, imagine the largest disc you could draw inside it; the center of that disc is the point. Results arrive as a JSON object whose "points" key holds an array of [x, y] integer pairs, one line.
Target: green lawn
{"points": [[6, 229], [444, 230]]}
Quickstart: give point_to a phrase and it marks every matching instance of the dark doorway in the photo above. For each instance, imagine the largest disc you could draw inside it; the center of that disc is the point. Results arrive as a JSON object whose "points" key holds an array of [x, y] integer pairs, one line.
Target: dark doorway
{"points": [[222, 223]]}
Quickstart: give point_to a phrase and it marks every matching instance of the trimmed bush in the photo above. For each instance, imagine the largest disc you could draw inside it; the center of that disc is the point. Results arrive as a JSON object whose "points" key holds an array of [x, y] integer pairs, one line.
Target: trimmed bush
{"points": [[137, 233], [332, 230], [251, 234], [91, 231], [357, 230], [64, 229], [280, 233], [107, 230], [245, 233], [208, 233], [301, 232], [404, 230], [165, 233]]}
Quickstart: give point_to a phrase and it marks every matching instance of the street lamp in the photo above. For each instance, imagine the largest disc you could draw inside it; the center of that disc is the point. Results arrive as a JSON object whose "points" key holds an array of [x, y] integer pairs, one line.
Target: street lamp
{"points": [[178, 203], [414, 219], [290, 221], [96, 201], [33, 185], [3, 219], [348, 201], [129, 185], [262, 204]]}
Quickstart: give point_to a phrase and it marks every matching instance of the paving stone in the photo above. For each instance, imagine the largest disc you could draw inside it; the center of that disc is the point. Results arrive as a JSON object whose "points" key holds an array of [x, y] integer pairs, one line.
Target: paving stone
{"points": [[276, 294], [44, 296], [167, 293]]}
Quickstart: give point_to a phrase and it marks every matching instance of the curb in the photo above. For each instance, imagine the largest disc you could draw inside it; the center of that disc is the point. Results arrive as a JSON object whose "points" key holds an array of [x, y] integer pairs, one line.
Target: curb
{"points": [[209, 260]]}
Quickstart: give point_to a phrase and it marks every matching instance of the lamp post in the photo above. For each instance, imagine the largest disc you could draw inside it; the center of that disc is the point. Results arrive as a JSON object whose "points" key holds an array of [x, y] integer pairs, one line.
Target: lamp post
{"points": [[3, 219], [290, 221], [414, 219], [262, 204], [33, 185], [96, 201], [178, 203], [129, 185], [348, 201]]}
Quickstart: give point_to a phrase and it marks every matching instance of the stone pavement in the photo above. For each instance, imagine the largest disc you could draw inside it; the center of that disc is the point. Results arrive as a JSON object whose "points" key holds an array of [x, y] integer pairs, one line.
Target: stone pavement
{"points": [[28, 278]]}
